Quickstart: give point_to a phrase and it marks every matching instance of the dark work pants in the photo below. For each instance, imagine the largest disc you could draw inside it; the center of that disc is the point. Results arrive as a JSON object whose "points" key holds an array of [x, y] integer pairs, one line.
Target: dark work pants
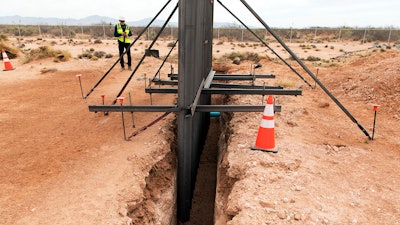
{"points": [[121, 47]]}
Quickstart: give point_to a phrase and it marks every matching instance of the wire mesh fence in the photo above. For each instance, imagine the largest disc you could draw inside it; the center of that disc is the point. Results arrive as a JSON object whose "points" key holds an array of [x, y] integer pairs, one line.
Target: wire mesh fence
{"points": [[317, 34]]}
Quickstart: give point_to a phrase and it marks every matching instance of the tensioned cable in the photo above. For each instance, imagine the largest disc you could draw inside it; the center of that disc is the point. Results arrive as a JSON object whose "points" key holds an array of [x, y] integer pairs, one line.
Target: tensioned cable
{"points": [[140, 34], [144, 55], [162, 64], [306, 68], [260, 39]]}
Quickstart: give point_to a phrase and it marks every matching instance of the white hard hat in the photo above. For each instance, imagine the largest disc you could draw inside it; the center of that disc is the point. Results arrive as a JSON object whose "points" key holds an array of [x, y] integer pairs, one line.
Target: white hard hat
{"points": [[121, 18]]}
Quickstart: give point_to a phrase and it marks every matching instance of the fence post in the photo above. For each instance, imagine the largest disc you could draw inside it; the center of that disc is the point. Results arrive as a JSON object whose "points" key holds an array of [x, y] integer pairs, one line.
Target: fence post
{"points": [[61, 30], [365, 33], [19, 30], [315, 34]]}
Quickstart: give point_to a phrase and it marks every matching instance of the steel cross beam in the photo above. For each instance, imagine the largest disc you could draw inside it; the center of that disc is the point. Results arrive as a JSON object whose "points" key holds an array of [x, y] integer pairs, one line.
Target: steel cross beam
{"points": [[174, 108], [230, 91], [232, 76], [217, 85], [205, 83]]}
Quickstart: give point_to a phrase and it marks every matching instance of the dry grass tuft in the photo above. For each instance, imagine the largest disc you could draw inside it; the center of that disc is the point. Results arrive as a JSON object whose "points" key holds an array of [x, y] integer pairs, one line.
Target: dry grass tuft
{"points": [[11, 51], [44, 52]]}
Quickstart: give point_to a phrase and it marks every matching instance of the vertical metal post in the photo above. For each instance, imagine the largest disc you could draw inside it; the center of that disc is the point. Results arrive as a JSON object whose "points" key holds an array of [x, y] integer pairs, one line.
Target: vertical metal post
{"points": [[80, 84], [373, 129], [121, 101], [130, 102], [195, 61]]}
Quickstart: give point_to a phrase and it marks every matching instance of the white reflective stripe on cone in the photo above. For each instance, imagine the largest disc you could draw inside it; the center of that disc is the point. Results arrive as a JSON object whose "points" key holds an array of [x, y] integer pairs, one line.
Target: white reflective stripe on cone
{"points": [[269, 110], [267, 123]]}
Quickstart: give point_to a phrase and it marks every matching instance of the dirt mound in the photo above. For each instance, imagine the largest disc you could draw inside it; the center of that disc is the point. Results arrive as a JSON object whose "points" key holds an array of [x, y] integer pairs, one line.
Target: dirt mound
{"points": [[326, 170]]}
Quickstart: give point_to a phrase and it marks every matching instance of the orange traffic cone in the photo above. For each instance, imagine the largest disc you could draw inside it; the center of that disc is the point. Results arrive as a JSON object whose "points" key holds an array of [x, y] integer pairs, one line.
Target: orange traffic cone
{"points": [[6, 60], [266, 134]]}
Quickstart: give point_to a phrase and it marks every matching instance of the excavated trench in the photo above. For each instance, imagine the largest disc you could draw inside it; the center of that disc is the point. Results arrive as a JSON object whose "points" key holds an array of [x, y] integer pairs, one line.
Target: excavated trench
{"points": [[211, 190]]}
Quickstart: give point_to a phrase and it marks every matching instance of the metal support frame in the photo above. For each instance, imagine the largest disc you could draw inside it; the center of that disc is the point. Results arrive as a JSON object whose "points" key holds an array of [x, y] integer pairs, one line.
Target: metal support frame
{"points": [[195, 87]]}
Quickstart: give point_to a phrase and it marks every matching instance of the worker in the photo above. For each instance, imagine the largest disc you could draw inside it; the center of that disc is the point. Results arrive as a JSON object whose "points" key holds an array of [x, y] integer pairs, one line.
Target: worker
{"points": [[122, 32]]}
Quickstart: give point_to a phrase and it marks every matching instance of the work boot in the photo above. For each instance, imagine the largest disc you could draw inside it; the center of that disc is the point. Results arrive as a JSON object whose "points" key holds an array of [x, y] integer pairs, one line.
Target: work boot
{"points": [[122, 69], [129, 68]]}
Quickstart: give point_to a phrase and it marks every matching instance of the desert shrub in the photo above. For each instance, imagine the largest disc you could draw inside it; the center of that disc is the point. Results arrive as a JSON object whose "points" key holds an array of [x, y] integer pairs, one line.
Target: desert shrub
{"points": [[3, 37], [108, 56], [47, 52], [99, 54], [85, 55], [313, 58], [98, 41], [171, 44], [252, 56]]}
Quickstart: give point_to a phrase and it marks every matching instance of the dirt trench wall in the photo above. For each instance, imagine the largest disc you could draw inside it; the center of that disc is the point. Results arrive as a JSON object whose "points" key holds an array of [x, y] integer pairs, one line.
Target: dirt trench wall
{"points": [[158, 203], [224, 181]]}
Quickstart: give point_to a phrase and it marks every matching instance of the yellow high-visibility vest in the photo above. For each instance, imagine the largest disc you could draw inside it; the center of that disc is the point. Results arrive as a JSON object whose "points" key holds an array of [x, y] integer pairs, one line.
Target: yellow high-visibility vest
{"points": [[120, 31]]}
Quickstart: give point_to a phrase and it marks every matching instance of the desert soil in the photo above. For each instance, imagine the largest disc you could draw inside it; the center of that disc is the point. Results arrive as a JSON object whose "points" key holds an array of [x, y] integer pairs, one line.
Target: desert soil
{"points": [[61, 164]]}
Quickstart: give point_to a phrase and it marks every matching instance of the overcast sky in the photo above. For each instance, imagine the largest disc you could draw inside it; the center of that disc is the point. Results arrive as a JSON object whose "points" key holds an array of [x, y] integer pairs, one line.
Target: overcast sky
{"points": [[276, 13]]}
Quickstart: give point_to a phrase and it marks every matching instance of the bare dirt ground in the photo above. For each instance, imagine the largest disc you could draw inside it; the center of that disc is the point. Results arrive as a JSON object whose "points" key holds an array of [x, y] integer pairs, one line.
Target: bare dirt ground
{"points": [[61, 164]]}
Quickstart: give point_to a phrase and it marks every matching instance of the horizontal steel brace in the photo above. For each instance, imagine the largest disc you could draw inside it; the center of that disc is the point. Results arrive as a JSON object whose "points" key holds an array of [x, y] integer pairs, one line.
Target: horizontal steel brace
{"points": [[232, 91], [174, 108], [235, 108], [133, 108], [232, 76], [237, 91], [218, 85]]}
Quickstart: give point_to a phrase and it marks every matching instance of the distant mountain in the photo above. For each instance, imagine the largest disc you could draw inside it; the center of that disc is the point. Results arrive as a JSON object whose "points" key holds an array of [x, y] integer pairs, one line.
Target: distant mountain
{"points": [[90, 20], [87, 21]]}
